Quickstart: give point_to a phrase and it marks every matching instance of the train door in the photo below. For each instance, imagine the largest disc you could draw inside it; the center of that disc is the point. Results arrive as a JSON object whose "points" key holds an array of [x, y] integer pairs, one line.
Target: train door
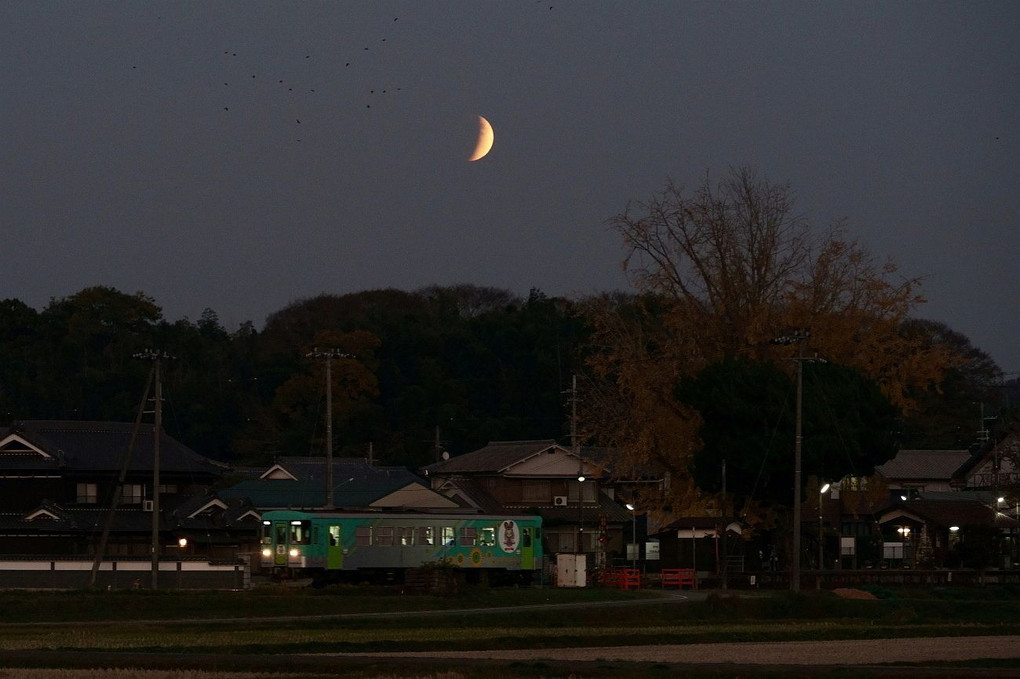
{"points": [[280, 540], [335, 547], [528, 548]]}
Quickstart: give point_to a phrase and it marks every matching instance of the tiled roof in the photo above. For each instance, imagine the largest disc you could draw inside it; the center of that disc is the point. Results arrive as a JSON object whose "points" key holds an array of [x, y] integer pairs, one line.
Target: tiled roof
{"points": [[307, 468], [311, 494], [695, 522], [923, 465], [100, 446], [91, 520], [494, 457], [549, 512], [961, 512]]}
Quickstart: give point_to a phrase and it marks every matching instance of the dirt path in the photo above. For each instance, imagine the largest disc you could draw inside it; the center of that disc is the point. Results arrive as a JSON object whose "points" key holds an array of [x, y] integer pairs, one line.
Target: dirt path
{"points": [[861, 652]]}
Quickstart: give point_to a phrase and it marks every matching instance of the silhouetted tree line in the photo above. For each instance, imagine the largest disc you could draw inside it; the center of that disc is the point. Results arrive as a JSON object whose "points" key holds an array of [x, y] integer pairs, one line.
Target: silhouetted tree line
{"points": [[477, 363]]}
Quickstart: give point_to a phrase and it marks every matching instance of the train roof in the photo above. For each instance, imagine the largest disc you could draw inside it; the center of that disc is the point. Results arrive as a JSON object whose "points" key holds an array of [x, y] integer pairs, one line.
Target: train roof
{"points": [[284, 514]]}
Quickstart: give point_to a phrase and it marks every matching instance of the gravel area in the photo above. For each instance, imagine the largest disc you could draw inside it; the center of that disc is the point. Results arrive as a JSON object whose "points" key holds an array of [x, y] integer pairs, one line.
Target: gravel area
{"points": [[859, 652]]}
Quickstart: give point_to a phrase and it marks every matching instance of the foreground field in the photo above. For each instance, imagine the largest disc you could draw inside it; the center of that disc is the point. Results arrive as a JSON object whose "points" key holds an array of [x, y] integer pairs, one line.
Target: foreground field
{"points": [[503, 633]]}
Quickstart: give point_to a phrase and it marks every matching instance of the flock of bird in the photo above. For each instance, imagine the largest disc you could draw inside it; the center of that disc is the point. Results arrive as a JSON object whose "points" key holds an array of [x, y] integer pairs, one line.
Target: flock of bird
{"points": [[244, 87]]}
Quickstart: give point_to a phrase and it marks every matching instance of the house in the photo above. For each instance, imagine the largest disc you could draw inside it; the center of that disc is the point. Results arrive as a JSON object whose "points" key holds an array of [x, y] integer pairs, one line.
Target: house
{"points": [[300, 483], [952, 529], [566, 488], [927, 470], [57, 483]]}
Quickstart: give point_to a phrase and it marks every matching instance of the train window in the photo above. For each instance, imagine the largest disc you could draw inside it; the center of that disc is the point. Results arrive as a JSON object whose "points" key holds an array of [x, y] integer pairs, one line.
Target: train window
{"points": [[488, 537], [384, 536], [267, 532], [363, 536], [334, 536], [300, 532], [406, 536], [526, 538], [281, 533], [448, 536], [426, 535], [467, 536]]}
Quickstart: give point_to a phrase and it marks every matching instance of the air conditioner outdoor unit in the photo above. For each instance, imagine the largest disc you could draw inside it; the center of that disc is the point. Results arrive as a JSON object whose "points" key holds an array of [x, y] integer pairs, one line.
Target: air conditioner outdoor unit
{"points": [[560, 500], [147, 506]]}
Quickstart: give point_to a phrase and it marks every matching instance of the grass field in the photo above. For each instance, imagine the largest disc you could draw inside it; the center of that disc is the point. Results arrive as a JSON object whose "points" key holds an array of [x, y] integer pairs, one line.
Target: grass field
{"points": [[59, 629]]}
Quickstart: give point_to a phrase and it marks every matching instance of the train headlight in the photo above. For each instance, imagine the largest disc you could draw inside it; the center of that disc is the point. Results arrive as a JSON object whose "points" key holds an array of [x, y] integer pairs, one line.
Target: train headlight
{"points": [[293, 552], [267, 552]]}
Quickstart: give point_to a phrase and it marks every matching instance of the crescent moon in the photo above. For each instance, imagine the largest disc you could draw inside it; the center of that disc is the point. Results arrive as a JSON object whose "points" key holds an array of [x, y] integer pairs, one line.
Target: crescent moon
{"points": [[485, 139]]}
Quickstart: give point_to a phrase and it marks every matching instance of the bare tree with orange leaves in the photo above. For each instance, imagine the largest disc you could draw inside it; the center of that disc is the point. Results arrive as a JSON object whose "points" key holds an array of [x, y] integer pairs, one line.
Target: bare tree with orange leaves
{"points": [[721, 272]]}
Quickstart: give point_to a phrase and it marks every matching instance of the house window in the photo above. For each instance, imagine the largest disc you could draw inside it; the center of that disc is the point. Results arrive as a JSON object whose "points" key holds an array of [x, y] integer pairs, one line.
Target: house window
{"points": [[560, 542], [426, 535], [448, 536], [587, 491], [467, 536], [363, 536], [132, 493], [384, 536], [87, 493], [535, 491], [167, 488]]}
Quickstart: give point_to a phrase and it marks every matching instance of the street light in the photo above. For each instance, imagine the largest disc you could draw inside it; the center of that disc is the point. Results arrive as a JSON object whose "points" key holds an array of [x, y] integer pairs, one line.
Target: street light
{"points": [[904, 531], [633, 534], [580, 514], [821, 553]]}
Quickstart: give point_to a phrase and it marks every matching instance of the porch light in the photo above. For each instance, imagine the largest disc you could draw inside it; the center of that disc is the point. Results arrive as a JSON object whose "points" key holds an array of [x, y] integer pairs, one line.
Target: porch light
{"points": [[182, 543]]}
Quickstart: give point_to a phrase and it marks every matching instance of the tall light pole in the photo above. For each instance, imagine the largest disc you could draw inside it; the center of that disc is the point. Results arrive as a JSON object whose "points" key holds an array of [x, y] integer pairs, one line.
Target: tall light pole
{"points": [[797, 443], [633, 533]]}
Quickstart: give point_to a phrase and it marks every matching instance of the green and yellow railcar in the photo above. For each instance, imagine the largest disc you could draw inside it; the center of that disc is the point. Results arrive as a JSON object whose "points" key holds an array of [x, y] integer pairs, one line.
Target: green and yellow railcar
{"points": [[346, 546]]}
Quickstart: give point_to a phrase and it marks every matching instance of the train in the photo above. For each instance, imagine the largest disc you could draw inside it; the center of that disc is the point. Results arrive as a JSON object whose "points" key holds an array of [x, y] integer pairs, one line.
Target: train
{"points": [[383, 546]]}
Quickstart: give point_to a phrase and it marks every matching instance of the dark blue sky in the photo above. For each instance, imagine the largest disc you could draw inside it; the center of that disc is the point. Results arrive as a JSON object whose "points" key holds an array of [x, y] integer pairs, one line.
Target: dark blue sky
{"points": [[138, 152]]}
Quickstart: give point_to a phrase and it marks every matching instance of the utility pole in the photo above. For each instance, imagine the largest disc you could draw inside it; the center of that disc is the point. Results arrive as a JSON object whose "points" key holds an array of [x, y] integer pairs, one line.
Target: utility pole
{"points": [[798, 442], [121, 477], [725, 530], [580, 464], [328, 355], [157, 358], [797, 336]]}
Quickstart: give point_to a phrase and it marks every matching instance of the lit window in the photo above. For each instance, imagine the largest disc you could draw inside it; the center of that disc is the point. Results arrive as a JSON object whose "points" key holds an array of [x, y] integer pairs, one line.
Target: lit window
{"points": [[406, 536], [87, 493], [448, 536], [363, 536], [488, 537], [301, 532], [426, 536]]}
